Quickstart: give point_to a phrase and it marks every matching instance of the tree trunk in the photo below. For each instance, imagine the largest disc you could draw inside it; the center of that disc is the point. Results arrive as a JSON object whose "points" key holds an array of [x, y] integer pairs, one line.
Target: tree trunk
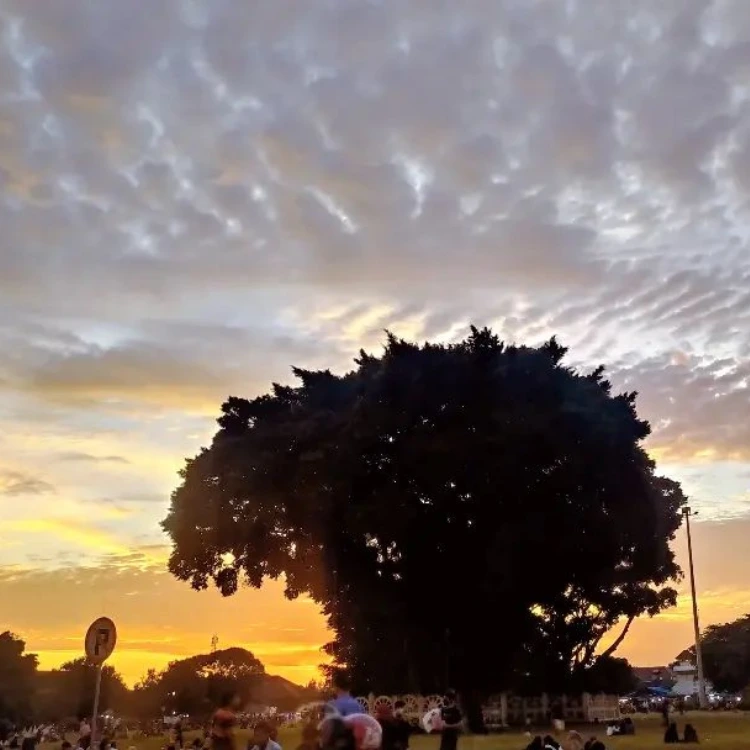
{"points": [[620, 638]]}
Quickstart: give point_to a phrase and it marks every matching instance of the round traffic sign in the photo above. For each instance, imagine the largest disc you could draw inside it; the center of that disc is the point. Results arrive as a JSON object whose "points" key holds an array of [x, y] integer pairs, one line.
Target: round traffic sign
{"points": [[100, 640]]}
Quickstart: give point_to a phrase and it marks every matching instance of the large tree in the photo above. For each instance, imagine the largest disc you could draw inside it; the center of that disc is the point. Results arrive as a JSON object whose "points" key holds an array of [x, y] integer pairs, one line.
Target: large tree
{"points": [[69, 691], [726, 655], [196, 685], [464, 513], [17, 678]]}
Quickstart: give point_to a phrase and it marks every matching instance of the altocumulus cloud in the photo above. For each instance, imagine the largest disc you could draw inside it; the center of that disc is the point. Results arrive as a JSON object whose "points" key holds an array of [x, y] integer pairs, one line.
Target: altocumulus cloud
{"points": [[16, 483], [191, 205]]}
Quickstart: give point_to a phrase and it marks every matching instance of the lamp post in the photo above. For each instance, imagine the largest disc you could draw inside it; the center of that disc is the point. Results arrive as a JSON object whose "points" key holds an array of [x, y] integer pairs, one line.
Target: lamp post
{"points": [[702, 699]]}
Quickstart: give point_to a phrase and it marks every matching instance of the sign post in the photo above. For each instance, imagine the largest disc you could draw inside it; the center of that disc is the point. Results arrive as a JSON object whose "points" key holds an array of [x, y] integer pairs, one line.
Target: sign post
{"points": [[101, 638]]}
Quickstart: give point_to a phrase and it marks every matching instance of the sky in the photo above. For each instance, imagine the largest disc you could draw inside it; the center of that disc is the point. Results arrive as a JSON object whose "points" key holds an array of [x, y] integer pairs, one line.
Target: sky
{"points": [[197, 195]]}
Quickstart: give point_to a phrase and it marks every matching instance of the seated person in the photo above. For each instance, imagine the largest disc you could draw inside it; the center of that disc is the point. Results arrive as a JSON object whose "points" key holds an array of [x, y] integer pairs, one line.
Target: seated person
{"points": [[261, 738], [670, 736], [691, 736]]}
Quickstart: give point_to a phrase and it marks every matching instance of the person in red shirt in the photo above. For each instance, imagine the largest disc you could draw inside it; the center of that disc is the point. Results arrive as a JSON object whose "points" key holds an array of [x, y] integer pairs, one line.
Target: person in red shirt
{"points": [[223, 723]]}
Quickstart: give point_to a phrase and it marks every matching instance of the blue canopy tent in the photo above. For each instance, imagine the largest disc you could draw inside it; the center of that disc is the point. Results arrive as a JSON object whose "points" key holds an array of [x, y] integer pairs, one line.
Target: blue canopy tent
{"points": [[659, 692]]}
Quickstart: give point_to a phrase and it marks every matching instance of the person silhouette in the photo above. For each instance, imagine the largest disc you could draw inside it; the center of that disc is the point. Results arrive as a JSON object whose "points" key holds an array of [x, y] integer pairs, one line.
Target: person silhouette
{"points": [[670, 736], [691, 736]]}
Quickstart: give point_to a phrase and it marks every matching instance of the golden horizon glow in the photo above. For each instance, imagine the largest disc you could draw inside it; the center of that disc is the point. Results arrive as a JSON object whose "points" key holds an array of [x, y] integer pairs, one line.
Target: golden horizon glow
{"points": [[160, 619]]}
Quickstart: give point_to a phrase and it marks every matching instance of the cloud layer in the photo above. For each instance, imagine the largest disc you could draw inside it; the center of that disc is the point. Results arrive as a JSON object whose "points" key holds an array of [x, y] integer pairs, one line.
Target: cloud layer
{"points": [[175, 206], [194, 204]]}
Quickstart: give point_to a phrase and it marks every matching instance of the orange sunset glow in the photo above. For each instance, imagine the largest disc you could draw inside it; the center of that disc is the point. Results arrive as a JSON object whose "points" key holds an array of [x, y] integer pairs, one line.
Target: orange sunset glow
{"points": [[192, 206]]}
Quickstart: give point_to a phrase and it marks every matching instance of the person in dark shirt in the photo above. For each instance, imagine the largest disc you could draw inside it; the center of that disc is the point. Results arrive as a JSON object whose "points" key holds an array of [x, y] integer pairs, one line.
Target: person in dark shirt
{"points": [[396, 729], [401, 727], [665, 713], [336, 735], [386, 719], [452, 718]]}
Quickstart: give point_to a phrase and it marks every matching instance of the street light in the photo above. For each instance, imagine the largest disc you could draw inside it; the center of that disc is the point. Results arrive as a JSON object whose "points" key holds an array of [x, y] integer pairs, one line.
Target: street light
{"points": [[702, 699]]}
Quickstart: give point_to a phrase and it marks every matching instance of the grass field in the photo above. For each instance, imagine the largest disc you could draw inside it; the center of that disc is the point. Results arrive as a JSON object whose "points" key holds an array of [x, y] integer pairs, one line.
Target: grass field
{"points": [[723, 731]]}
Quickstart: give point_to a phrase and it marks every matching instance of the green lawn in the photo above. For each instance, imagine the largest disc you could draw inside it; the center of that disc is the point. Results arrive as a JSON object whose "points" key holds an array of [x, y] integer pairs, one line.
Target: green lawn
{"points": [[723, 731]]}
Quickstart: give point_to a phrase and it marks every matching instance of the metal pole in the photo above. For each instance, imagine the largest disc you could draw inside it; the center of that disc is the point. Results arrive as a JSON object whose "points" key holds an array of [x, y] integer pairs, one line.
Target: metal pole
{"points": [[702, 699], [95, 712], [447, 659]]}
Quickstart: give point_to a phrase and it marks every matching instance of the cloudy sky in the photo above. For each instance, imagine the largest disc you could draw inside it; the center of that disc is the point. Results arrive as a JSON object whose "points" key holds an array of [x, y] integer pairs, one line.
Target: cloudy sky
{"points": [[198, 194]]}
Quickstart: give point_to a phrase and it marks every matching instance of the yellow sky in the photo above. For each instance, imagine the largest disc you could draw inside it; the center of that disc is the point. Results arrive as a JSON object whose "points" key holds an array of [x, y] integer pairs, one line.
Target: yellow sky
{"points": [[160, 619]]}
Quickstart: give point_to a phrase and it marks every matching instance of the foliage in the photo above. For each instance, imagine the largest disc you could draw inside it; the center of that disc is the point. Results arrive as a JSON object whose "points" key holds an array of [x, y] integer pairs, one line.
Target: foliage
{"points": [[17, 676], [608, 675], [69, 691], [196, 685], [467, 513], [726, 655]]}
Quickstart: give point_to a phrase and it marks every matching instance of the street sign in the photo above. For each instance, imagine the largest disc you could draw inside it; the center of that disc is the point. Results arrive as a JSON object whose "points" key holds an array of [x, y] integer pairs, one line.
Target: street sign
{"points": [[100, 640]]}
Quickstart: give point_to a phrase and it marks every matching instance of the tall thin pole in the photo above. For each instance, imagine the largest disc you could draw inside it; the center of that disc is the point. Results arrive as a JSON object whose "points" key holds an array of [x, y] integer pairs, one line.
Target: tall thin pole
{"points": [[95, 711], [447, 659], [702, 698]]}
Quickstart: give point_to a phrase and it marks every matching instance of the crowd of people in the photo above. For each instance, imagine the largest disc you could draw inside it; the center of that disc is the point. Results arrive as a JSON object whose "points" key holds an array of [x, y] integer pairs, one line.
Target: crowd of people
{"points": [[340, 724], [27, 738], [343, 725]]}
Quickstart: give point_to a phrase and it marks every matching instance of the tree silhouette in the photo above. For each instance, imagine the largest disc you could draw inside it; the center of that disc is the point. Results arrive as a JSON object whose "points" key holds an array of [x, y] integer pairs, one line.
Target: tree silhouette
{"points": [[726, 654], [75, 685], [470, 514], [196, 685], [17, 678]]}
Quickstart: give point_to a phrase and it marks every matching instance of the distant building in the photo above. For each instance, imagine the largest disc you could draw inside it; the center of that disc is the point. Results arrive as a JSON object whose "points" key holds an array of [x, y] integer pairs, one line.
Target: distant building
{"points": [[685, 675], [680, 678], [660, 677]]}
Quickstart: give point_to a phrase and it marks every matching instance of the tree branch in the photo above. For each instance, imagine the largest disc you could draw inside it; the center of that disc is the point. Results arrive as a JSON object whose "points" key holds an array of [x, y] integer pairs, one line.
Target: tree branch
{"points": [[620, 638]]}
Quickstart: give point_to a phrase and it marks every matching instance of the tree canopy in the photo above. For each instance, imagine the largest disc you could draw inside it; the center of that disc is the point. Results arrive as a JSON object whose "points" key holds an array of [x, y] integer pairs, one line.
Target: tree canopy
{"points": [[610, 675], [69, 691], [196, 685], [471, 513], [17, 678], [726, 655]]}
